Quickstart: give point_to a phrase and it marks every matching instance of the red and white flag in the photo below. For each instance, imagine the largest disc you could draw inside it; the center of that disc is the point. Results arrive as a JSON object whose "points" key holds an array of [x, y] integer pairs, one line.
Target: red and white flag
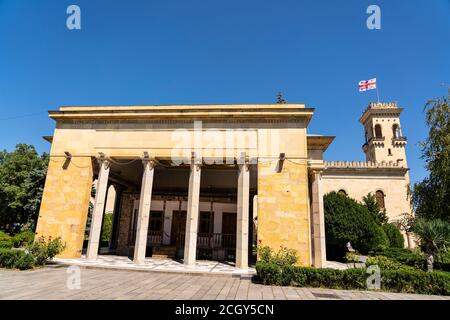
{"points": [[365, 85]]}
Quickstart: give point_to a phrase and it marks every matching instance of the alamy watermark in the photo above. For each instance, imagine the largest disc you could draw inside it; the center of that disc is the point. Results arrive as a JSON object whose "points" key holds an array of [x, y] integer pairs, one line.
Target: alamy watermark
{"points": [[73, 21], [374, 20]]}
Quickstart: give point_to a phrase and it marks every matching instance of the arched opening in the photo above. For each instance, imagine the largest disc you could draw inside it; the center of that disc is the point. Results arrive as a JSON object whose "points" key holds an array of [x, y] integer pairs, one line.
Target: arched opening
{"points": [[379, 195], [389, 152], [342, 192], [378, 132], [396, 131]]}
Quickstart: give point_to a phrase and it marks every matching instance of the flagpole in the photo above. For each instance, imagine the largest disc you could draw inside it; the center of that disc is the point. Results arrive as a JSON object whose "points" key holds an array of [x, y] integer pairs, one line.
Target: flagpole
{"points": [[378, 96]]}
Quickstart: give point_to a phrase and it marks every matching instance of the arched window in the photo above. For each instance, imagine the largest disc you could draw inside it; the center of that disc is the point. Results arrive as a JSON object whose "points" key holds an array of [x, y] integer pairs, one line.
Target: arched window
{"points": [[396, 131], [342, 192], [378, 132], [379, 195]]}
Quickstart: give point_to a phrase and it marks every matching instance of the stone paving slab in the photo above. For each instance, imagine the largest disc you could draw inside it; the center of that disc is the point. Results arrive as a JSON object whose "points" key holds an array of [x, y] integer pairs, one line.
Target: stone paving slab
{"points": [[97, 284], [160, 265]]}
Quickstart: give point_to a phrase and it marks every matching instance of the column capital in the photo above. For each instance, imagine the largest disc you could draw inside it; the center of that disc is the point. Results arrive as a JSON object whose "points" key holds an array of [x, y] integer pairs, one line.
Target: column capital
{"points": [[196, 162], [243, 161], [149, 162], [103, 161]]}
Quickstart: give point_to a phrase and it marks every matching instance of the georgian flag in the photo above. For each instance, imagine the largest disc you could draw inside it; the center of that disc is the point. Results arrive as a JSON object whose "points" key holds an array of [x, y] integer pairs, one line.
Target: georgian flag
{"points": [[365, 85]]}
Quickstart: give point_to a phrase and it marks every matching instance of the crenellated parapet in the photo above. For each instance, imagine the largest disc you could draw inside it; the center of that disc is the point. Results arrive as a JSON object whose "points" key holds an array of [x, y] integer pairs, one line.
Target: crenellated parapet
{"points": [[364, 164]]}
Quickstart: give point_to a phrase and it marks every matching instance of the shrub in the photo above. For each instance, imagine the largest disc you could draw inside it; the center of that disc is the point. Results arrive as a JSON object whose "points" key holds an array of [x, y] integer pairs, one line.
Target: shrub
{"points": [[24, 261], [405, 256], [401, 280], [284, 256], [5, 240], [6, 244], [394, 235], [24, 238], [442, 261], [386, 264], [12, 258], [44, 250], [347, 220], [374, 238], [4, 236]]}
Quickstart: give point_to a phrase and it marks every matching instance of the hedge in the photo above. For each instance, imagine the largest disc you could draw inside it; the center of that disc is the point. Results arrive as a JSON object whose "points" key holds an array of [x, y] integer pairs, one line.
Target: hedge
{"points": [[405, 281], [19, 259]]}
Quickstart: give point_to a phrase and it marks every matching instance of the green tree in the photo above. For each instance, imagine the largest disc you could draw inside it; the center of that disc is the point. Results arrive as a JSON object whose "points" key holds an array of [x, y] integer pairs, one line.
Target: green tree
{"points": [[431, 197], [348, 220], [370, 202], [22, 177], [434, 237]]}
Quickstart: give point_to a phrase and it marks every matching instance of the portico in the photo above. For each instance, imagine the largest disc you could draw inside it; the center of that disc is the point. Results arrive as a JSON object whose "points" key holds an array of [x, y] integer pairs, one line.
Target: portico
{"points": [[194, 181]]}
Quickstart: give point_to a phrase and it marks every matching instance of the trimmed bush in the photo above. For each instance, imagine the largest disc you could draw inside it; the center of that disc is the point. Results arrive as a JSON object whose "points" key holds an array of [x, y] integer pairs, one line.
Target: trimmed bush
{"points": [[386, 264], [394, 235], [401, 280], [347, 220], [407, 257], [12, 258]]}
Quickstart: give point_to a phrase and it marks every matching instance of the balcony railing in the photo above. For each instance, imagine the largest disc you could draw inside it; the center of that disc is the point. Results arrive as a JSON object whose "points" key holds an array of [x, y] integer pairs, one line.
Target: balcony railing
{"points": [[211, 240], [154, 238]]}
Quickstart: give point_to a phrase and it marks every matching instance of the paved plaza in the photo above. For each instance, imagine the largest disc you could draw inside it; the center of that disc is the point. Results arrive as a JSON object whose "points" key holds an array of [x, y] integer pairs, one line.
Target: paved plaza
{"points": [[160, 265], [52, 283]]}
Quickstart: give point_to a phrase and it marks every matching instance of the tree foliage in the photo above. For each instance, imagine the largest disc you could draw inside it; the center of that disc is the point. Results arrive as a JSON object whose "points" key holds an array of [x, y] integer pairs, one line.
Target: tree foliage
{"points": [[431, 197], [434, 235], [394, 235], [348, 220], [22, 177], [379, 215]]}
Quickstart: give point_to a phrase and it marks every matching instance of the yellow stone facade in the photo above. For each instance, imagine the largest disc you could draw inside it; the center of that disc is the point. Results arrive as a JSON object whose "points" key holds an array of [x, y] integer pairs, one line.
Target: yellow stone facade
{"points": [[65, 202], [283, 210]]}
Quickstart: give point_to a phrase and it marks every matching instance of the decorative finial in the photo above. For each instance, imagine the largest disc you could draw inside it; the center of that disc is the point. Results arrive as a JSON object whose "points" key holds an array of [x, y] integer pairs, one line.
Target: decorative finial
{"points": [[280, 99]]}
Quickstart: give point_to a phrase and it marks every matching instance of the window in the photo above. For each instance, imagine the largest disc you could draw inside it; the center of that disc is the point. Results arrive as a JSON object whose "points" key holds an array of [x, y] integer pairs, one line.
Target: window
{"points": [[379, 195], [205, 222], [389, 152], [342, 192], [396, 131], [156, 221], [378, 131]]}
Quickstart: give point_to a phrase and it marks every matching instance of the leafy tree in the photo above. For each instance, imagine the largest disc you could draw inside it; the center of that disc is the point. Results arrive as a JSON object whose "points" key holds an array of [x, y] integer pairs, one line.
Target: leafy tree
{"points": [[348, 220], [431, 197], [22, 177], [379, 215], [434, 237], [394, 235]]}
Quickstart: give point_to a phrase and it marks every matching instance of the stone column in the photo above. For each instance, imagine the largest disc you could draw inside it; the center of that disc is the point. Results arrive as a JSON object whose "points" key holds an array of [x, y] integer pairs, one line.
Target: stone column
{"points": [[99, 207], [190, 245], [243, 199], [318, 220], [145, 202]]}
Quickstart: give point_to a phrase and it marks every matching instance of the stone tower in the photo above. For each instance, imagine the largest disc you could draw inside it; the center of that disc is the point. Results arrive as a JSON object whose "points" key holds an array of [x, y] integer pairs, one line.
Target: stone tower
{"points": [[384, 140]]}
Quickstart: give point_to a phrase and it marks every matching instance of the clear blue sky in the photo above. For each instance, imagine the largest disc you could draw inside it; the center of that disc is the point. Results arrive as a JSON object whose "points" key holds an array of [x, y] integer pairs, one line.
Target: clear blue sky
{"points": [[210, 51]]}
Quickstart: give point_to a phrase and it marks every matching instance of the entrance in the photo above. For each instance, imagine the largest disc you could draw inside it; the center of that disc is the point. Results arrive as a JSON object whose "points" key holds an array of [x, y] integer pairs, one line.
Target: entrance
{"points": [[178, 228]]}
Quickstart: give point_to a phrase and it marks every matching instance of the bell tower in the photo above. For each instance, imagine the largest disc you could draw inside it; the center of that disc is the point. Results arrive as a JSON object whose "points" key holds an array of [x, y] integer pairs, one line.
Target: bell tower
{"points": [[384, 140]]}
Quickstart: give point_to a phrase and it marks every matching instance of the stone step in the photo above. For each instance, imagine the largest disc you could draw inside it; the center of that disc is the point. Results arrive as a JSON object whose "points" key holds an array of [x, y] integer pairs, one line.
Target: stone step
{"points": [[164, 252]]}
